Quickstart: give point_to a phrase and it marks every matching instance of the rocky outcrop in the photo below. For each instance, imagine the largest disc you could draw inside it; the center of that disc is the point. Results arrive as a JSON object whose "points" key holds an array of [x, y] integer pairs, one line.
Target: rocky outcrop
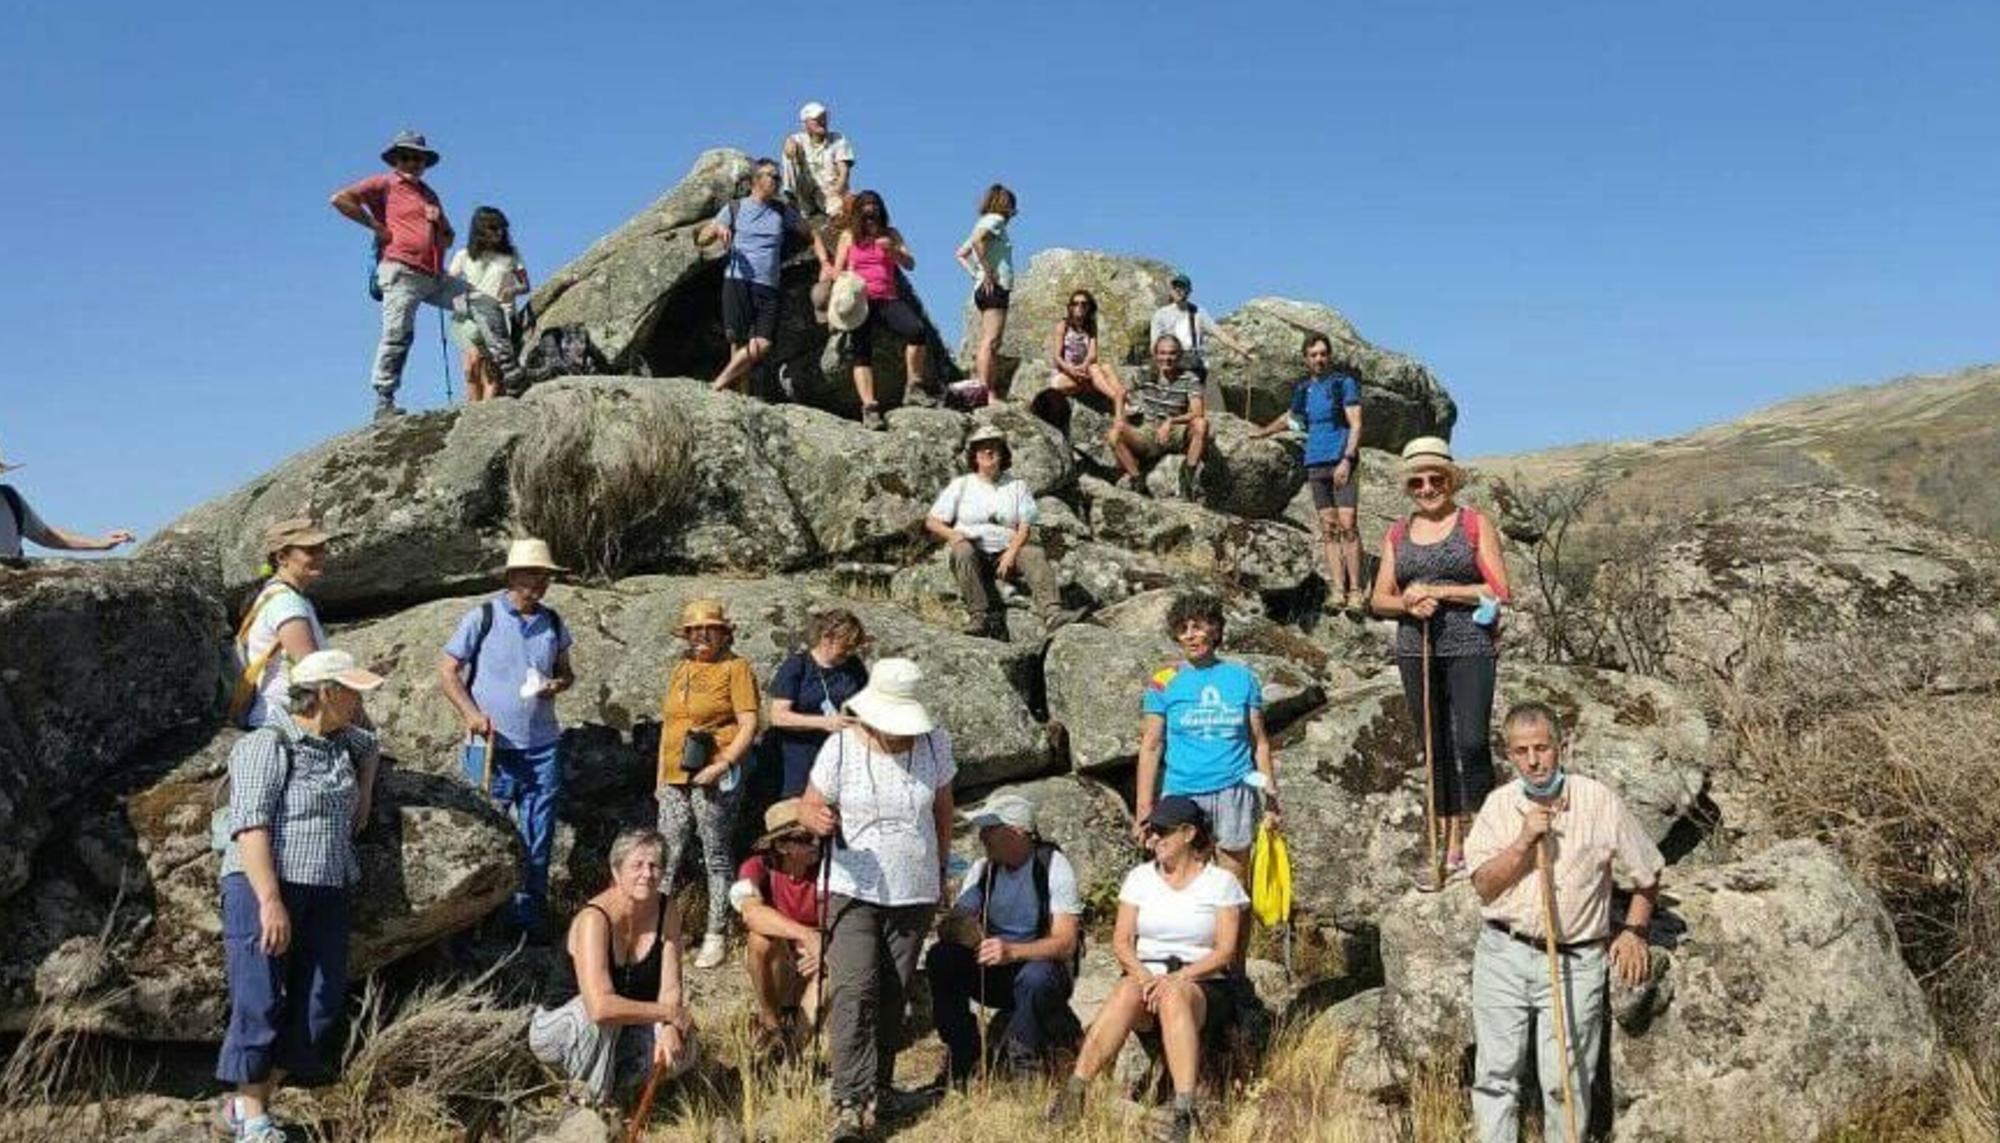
{"points": [[96, 659], [1781, 1004], [1400, 397], [1086, 818], [119, 932], [1127, 290]]}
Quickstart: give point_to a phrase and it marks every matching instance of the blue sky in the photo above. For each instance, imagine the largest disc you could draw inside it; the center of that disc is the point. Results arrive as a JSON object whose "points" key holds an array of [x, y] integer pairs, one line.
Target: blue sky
{"points": [[1592, 220]]}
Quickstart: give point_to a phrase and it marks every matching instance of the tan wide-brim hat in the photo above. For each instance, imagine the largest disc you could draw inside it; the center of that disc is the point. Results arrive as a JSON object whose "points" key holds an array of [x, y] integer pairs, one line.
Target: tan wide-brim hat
{"points": [[294, 532], [989, 434], [705, 613], [1430, 454], [782, 818], [331, 666], [847, 305], [889, 702], [531, 555]]}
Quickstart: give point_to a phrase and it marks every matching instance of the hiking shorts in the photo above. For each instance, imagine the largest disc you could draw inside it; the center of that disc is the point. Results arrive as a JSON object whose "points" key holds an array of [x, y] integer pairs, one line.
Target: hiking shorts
{"points": [[1233, 812], [749, 311], [896, 314], [994, 298], [1327, 494], [1146, 444]]}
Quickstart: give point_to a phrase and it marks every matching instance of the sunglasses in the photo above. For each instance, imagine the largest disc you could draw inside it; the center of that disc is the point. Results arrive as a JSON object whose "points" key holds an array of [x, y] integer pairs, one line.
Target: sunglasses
{"points": [[1079, 303], [1426, 481]]}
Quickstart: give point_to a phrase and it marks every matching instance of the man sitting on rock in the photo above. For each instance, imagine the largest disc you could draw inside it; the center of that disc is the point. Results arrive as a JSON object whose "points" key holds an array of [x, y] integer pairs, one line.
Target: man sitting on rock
{"points": [[18, 522], [776, 892], [819, 163], [1169, 413], [502, 670], [752, 230], [1017, 923], [1589, 829]]}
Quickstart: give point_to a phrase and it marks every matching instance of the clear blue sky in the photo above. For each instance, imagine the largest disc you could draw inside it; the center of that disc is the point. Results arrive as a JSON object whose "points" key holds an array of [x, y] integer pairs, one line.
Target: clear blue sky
{"points": [[1592, 220]]}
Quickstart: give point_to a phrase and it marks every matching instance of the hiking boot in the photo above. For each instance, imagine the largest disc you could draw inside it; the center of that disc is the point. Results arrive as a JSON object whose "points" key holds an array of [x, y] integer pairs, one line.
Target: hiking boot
{"points": [[385, 407], [892, 1102], [714, 950], [871, 418], [849, 1125], [1066, 1106]]}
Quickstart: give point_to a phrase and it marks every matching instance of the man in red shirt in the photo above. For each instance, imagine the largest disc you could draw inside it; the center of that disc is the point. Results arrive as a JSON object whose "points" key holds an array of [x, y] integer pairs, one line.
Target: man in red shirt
{"points": [[411, 236], [777, 894]]}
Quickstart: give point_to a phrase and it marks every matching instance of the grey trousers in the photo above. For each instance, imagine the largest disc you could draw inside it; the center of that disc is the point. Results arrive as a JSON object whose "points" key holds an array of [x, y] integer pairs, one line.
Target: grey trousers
{"points": [[1510, 1002], [403, 290], [979, 586], [604, 1058], [871, 957], [688, 812]]}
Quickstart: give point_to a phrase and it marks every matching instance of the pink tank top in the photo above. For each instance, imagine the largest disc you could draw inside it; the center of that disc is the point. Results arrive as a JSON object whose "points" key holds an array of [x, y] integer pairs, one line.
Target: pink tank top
{"points": [[876, 266]]}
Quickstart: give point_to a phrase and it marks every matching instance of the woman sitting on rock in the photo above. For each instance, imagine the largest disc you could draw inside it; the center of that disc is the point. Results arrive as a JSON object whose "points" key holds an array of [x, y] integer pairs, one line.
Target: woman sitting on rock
{"points": [[299, 790], [875, 251], [1073, 347], [810, 688], [625, 948], [281, 626], [1180, 922], [882, 789], [708, 721], [988, 517], [1442, 577]]}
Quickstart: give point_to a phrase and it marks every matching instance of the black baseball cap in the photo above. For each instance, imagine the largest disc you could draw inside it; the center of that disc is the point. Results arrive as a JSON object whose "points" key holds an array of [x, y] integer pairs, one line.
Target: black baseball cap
{"points": [[1175, 811], [1180, 281]]}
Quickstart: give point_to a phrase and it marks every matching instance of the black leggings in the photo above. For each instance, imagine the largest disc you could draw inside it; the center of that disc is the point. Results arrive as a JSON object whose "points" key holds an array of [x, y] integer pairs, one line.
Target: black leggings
{"points": [[1461, 726]]}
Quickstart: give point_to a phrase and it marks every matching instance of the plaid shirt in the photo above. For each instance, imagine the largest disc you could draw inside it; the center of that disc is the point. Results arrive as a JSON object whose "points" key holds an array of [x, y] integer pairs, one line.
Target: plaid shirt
{"points": [[309, 812]]}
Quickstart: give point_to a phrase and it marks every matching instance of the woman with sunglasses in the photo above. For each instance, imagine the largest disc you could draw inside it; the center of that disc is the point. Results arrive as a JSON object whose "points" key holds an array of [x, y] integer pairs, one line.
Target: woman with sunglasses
{"points": [[1073, 347], [708, 721], [1442, 578], [1180, 922], [876, 252]]}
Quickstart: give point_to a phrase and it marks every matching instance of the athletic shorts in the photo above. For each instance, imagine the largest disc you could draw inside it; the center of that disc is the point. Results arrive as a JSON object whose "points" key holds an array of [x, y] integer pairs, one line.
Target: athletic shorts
{"points": [[1233, 812], [1327, 494], [749, 311], [897, 315], [996, 298], [1146, 445]]}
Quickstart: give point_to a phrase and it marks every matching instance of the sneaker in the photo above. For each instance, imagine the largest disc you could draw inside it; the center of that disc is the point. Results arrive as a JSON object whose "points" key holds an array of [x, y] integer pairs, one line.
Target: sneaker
{"points": [[262, 1129], [849, 1126], [1066, 1106], [385, 407], [714, 950], [228, 1119], [871, 418]]}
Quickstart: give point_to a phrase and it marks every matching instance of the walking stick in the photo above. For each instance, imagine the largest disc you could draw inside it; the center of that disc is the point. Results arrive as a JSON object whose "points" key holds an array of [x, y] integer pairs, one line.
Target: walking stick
{"points": [[825, 893], [1430, 773], [1544, 864], [636, 1129], [985, 1056]]}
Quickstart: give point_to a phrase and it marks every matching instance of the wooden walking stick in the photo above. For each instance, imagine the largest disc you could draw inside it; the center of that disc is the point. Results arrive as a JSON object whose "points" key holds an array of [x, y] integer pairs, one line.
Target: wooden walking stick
{"points": [[985, 1049], [1545, 865], [825, 885], [636, 1128], [1430, 772]]}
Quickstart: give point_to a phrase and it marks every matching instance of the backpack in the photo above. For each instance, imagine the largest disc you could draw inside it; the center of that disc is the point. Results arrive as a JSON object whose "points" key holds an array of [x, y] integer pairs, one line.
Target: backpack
{"points": [[1472, 522], [243, 692], [218, 795], [1045, 852], [485, 628]]}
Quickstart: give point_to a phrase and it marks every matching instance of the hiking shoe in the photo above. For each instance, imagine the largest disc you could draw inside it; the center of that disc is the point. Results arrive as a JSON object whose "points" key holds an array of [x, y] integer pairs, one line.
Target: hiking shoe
{"points": [[871, 418], [385, 407], [714, 950], [228, 1120], [1066, 1106], [849, 1126], [262, 1129], [892, 1102], [1180, 1129]]}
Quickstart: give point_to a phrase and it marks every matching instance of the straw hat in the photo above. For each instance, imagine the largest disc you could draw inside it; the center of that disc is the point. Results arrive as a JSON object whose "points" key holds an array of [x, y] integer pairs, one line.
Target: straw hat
{"points": [[782, 818], [847, 304], [1432, 454], [889, 702], [531, 555], [294, 532], [705, 613]]}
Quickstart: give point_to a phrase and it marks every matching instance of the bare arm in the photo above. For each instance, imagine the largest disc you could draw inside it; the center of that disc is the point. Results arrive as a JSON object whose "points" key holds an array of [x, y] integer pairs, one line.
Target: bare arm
{"points": [[348, 203], [746, 736], [1386, 600], [1260, 749], [1058, 945], [1152, 744], [845, 171], [1125, 941], [460, 698], [784, 717], [64, 540], [295, 637], [900, 250], [761, 918], [971, 253], [1353, 433], [589, 950], [253, 850], [1228, 933], [941, 815], [843, 251], [943, 531], [1197, 410]]}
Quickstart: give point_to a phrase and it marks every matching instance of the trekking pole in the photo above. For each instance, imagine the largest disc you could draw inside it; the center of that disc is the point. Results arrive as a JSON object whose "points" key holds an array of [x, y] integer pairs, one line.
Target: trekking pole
{"points": [[636, 1129], [825, 894], [1545, 864], [1430, 772], [444, 357]]}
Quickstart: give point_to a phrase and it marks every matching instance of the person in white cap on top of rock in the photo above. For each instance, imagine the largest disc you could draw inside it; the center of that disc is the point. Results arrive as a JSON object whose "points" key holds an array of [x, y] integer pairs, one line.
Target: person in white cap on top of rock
{"points": [[18, 522], [819, 163], [882, 790], [502, 671]]}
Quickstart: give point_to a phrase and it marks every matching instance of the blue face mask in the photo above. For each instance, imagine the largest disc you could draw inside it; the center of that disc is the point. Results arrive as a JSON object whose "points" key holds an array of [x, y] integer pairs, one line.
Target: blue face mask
{"points": [[1548, 789]]}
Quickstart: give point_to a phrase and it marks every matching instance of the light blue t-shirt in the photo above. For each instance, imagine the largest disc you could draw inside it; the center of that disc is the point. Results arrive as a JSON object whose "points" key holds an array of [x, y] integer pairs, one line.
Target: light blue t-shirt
{"points": [[1207, 711], [515, 643], [1014, 911], [1322, 403], [999, 249], [760, 239]]}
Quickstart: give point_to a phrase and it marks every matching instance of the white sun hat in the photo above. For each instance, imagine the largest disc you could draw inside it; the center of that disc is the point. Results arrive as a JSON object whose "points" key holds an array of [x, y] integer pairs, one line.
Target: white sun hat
{"points": [[889, 702]]}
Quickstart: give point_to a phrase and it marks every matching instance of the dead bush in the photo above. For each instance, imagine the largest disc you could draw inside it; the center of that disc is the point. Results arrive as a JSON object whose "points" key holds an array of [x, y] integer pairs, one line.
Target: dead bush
{"points": [[600, 474]]}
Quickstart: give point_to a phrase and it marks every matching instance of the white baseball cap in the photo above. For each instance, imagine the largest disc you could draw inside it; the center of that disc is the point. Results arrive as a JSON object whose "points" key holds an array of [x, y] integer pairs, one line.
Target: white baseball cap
{"points": [[1005, 810], [332, 666], [813, 110]]}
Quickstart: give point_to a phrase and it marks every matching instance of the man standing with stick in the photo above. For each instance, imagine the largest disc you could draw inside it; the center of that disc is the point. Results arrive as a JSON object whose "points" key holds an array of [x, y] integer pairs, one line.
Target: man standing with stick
{"points": [[1542, 960]]}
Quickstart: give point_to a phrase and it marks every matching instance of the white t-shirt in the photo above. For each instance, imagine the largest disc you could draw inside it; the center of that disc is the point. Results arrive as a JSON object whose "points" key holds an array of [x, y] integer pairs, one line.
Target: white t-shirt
{"points": [[986, 513], [1014, 911], [276, 606], [891, 855], [1179, 923], [495, 275], [824, 156]]}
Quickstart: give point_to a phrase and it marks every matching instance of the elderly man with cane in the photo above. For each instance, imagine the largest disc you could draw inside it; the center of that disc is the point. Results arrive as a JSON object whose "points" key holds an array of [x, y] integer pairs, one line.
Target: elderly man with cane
{"points": [[1542, 960]]}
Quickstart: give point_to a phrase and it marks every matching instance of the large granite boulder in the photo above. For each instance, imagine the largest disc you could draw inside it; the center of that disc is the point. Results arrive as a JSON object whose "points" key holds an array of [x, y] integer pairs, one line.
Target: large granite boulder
{"points": [[1242, 475], [1400, 397], [1127, 290], [1266, 556], [96, 660], [1086, 818], [1784, 1006], [120, 934]]}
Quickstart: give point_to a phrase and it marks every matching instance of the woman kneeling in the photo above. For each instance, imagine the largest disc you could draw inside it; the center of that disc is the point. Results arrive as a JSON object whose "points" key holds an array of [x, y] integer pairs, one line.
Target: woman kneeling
{"points": [[628, 1015], [1180, 917]]}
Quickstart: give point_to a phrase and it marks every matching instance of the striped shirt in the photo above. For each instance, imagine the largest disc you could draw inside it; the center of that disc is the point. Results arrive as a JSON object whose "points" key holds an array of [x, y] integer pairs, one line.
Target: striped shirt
{"points": [[1159, 398], [303, 789]]}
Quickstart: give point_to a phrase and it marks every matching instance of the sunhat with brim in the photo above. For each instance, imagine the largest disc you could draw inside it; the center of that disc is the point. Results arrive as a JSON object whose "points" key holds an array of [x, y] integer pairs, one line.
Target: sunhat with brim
{"points": [[889, 702], [331, 666], [780, 820], [294, 532], [1429, 454], [532, 555], [847, 304], [705, 613], [413, 142], [1174, 811], [989, 434], [1004, 810]]}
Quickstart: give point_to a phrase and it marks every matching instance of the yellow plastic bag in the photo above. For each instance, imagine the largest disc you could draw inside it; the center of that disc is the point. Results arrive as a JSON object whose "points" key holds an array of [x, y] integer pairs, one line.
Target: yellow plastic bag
{"points": [[1270, 878]]}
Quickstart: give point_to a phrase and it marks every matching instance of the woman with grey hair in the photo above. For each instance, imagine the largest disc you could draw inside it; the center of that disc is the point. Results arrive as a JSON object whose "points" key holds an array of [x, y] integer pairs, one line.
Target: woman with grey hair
{"points": [[625, 948], [298, 790]]}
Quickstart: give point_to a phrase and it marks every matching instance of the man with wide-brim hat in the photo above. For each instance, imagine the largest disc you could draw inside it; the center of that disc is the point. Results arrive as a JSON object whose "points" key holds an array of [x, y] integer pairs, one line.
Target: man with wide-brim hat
{"points": [[986, 518], [18, 522], [502, 670], [411, 237], [777, 893]]}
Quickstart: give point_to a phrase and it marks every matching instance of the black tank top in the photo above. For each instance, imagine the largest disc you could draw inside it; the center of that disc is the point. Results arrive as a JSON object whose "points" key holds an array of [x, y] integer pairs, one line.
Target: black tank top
{"points": [[639, 980]]}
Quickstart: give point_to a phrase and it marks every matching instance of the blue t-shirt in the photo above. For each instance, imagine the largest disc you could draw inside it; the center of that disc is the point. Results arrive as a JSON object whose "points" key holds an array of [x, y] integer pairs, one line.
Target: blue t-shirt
{"points": [[760, 239], [515, 643], [1322, 403], [811, 691], [1207, 711]]}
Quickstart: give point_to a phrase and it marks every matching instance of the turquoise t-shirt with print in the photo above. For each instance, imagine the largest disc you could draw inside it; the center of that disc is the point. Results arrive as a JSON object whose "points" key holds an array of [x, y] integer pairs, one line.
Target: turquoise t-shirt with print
{"points": [[1207, 712]]}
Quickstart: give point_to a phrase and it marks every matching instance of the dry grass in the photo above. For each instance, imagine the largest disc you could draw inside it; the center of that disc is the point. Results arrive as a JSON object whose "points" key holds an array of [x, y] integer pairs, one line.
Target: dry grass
{"points": [[600, 474]]}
